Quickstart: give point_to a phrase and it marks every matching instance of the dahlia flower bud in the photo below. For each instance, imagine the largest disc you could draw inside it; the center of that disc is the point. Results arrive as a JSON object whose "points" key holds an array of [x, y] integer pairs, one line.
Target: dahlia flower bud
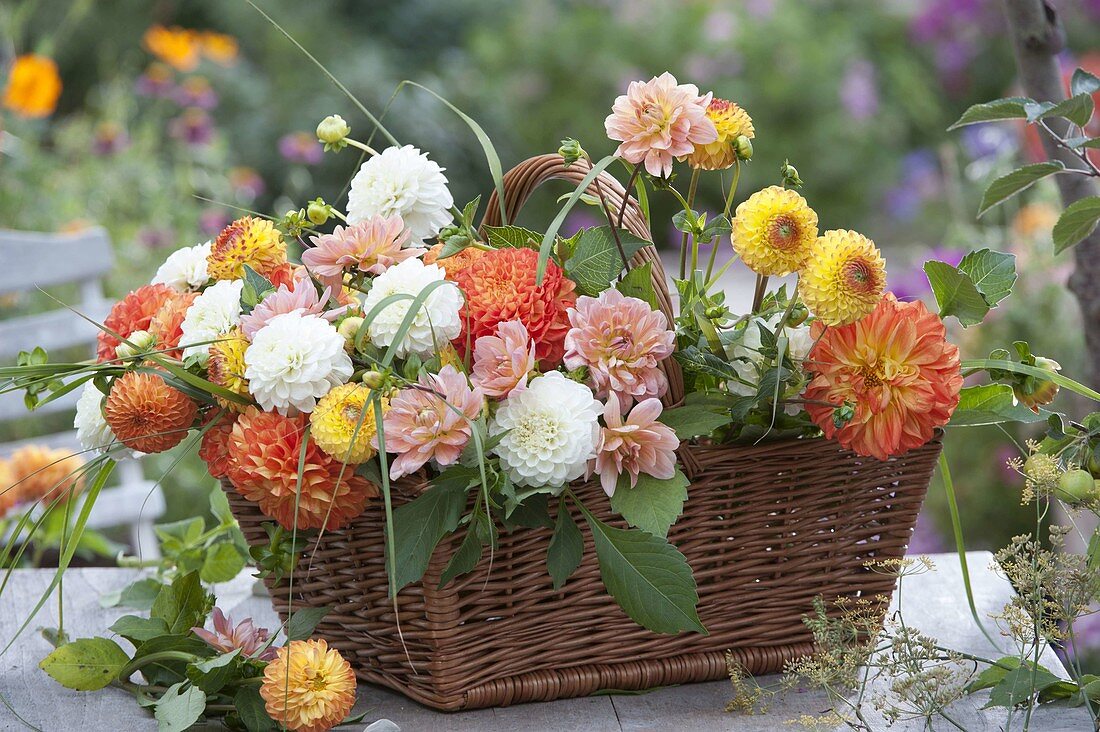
{"points": [[318, 212], [349, 327], [790, 175], [743, 147], [372, 379], [571, 151], [333, 132], [1036, 391], [137, 342]]}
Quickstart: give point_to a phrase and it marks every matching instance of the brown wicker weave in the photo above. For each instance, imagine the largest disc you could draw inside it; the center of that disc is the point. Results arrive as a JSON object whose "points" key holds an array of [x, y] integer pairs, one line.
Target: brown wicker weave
{"points": [[766, 529]]}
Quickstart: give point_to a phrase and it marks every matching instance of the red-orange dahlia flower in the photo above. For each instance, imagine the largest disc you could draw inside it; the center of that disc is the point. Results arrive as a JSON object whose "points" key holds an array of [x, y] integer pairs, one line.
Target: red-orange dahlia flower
{"points": [[453, 264], [214, 448], [165, 325], [895, 369], [264, 450], [500, 286], [146, 414], [132, 313]]}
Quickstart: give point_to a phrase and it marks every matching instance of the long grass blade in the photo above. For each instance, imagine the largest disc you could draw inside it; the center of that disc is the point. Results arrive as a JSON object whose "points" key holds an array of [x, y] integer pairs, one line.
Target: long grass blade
{"points": [[1022, 368], [552, 232]]}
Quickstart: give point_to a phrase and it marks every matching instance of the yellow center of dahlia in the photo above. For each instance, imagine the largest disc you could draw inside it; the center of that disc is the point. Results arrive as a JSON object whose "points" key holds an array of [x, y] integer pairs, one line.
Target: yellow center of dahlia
{"points": [[343, 424], [773, 231], [844, 277]]}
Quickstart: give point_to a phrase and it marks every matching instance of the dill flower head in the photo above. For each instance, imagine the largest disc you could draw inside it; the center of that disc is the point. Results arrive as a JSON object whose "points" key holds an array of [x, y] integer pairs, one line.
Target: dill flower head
{"points": [[844, 277], [33, 86], [248, 240], [146, 414], [343, 424], [773, 231], [226, 366], [309, 687], [731, 122]]}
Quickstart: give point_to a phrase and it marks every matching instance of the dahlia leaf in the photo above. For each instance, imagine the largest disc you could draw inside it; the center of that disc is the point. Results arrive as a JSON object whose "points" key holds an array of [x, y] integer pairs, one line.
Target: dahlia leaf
{"points": [[180, 708], [512, 237], [303, 622], [693, 421], [990, 404], [183, 604], [137, 629], [87, 664], [552, 233], [1076, 223], [222, 563], [649, 578], [251, 710], [999, 109], [1083, 82], [596, 262], [1018, 180], [465, 558], [993, 273], [638, 282], [653, 504], [566, 549], [956, 294], [418, 527]]}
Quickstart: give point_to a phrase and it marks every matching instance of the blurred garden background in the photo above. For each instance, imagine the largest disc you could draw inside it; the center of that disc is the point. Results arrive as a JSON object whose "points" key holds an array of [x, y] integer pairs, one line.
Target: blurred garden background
{"points": [[174, 115]]}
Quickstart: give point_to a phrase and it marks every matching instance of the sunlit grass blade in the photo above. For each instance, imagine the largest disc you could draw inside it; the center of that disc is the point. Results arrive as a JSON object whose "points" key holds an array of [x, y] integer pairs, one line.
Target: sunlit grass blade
{"points": [[552, 232], [640, 192]]}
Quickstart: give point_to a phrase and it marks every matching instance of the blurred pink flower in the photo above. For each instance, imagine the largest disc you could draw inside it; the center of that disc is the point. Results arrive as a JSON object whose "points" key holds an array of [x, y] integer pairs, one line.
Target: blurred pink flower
{"points": [[622, 341], [227, 638], [194, 127], [302, 297], [212, 221], [639, 444], [659, 120], [430, 421], [370, 246], [195, 91], [301, 147], [502, 361]]}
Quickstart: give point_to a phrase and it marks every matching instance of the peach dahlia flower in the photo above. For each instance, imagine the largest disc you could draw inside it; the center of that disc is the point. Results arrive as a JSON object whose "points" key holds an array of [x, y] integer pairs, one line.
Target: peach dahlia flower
{"points": [[634, 445], [503, 361], [309, 687], [372, 245]]}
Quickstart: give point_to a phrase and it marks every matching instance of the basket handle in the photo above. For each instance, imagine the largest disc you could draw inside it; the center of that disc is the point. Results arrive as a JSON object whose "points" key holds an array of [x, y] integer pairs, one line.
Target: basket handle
{"points": [[522, 180]]}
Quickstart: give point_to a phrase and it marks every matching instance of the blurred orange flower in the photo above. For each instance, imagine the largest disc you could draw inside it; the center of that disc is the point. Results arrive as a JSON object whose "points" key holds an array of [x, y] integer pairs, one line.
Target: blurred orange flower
{"points": [[33, 86], [177, 47], [219, 47], [43, 474]]}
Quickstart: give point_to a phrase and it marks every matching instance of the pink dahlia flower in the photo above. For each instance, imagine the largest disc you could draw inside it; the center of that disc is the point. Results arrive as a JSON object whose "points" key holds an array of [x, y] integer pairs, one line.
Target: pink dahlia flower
{"points": [[639, 444], [302, 297], [503, 361], [372, 245], [227, 638], [431, 420], [659, 120], [621, 340]]}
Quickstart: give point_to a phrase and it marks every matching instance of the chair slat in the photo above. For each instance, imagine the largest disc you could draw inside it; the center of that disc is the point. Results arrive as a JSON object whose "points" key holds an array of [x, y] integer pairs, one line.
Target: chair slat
{"points": [[29, 259], [53, 330]]}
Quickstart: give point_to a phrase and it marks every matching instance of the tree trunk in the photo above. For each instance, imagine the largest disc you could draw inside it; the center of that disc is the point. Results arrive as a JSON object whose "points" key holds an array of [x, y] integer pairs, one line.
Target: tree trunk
{"points": [[1037, 37]]}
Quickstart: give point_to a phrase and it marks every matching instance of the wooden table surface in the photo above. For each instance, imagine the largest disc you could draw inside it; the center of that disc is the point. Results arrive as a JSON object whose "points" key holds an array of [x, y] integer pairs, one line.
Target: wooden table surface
{"points": [[933, 602]]}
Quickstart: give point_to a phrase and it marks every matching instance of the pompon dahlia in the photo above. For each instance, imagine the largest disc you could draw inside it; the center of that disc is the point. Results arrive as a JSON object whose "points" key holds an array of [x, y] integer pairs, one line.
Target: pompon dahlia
{"points": [[146, 414], [622, 341], [500, 286], [844, 277], [454, 263], [167, 324], [431, 422], [226, 366], [343, 424], [657, 121], [502, 362], [773, 231], [895, 368], [436, 320], [731, 122], [43, 474], [372, 245], [214, 448], [402, 181], [264, 450], [132, 313], [295, 360], [248, 240], [309, 687], [635, 445]]}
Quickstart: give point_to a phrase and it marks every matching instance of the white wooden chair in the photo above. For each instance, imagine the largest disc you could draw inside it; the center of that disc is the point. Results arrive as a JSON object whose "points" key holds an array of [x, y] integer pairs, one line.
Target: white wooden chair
{"points": [[29, 260]]}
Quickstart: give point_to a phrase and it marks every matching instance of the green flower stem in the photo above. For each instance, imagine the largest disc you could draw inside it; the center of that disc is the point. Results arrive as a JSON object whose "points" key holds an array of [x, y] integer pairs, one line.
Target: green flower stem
{"points": [[761, 290], [365, 148], [139, 663], [687, 207], [626, 194], [725, 214]]}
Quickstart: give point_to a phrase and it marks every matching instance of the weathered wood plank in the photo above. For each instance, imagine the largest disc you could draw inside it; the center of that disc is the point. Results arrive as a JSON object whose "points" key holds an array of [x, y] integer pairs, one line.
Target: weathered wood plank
{"points": [[31, 258]]}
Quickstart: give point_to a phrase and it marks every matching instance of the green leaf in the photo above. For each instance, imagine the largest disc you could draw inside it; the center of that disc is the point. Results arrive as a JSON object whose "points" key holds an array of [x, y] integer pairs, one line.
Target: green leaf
{"points": [[251, 709], [1019, 685], [1076, 222], [513, 237], [1083, 82], [180, 708], [219, 506], [566, 549], [532, 513], [137, 629], [87, 664], [638, 282], [183, 604], [990, 404], [1077, 109], [1000, 109], [420, 524], [212, 674], [995, 364], [993, 273], [1093, 551], [693, 421], [993, 675], [704, 362], [222, 563], [956, 293], [596, 261], [652, 505], [649, 578], [138, 595], [1018, 180], [303, 621], [464, 559]]}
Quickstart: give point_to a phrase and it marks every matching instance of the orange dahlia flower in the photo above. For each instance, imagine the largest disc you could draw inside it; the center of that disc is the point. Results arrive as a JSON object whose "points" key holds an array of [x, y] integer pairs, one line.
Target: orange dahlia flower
{"points": [[500, 286], [132, 313], [264, 451], [33, 86], [146, 414], [248, 240], [43, 474], [166, 324], [894, 368], [214, 448], [452, 264], [309, 687]]}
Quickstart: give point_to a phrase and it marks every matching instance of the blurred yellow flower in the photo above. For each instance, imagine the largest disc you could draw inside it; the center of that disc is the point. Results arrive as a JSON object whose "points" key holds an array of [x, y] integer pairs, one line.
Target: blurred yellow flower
{"points": [[844, 277], [1034, 220], [219, 47], [731, 122], [773, 230], [33, 86], [309, 687], [177, 47]]}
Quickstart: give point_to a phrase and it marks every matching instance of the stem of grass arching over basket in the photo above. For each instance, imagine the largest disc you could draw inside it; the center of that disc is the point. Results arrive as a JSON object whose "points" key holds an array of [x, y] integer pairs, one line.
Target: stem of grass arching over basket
{"points": [[610, 221]]}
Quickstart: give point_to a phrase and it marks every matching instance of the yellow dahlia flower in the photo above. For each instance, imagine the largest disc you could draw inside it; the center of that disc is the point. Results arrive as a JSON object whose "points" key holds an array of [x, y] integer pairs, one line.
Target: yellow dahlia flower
{"points": [[226, 366], [248, 240], [844, 277], [334, 421], [309, 687], [731, 122], [773, 230]]}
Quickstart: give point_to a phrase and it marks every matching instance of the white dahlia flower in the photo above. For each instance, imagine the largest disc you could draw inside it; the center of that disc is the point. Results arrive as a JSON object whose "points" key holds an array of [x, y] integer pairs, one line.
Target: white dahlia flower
{"points": [[402, 181], [185, 269], [552, 428], [213, 314], [295, 360], [92, 430], [437, 321]]}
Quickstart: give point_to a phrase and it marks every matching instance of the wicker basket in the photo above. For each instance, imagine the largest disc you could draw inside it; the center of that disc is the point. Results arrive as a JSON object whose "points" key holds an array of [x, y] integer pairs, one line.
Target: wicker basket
{"points": [[766, 529]]}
